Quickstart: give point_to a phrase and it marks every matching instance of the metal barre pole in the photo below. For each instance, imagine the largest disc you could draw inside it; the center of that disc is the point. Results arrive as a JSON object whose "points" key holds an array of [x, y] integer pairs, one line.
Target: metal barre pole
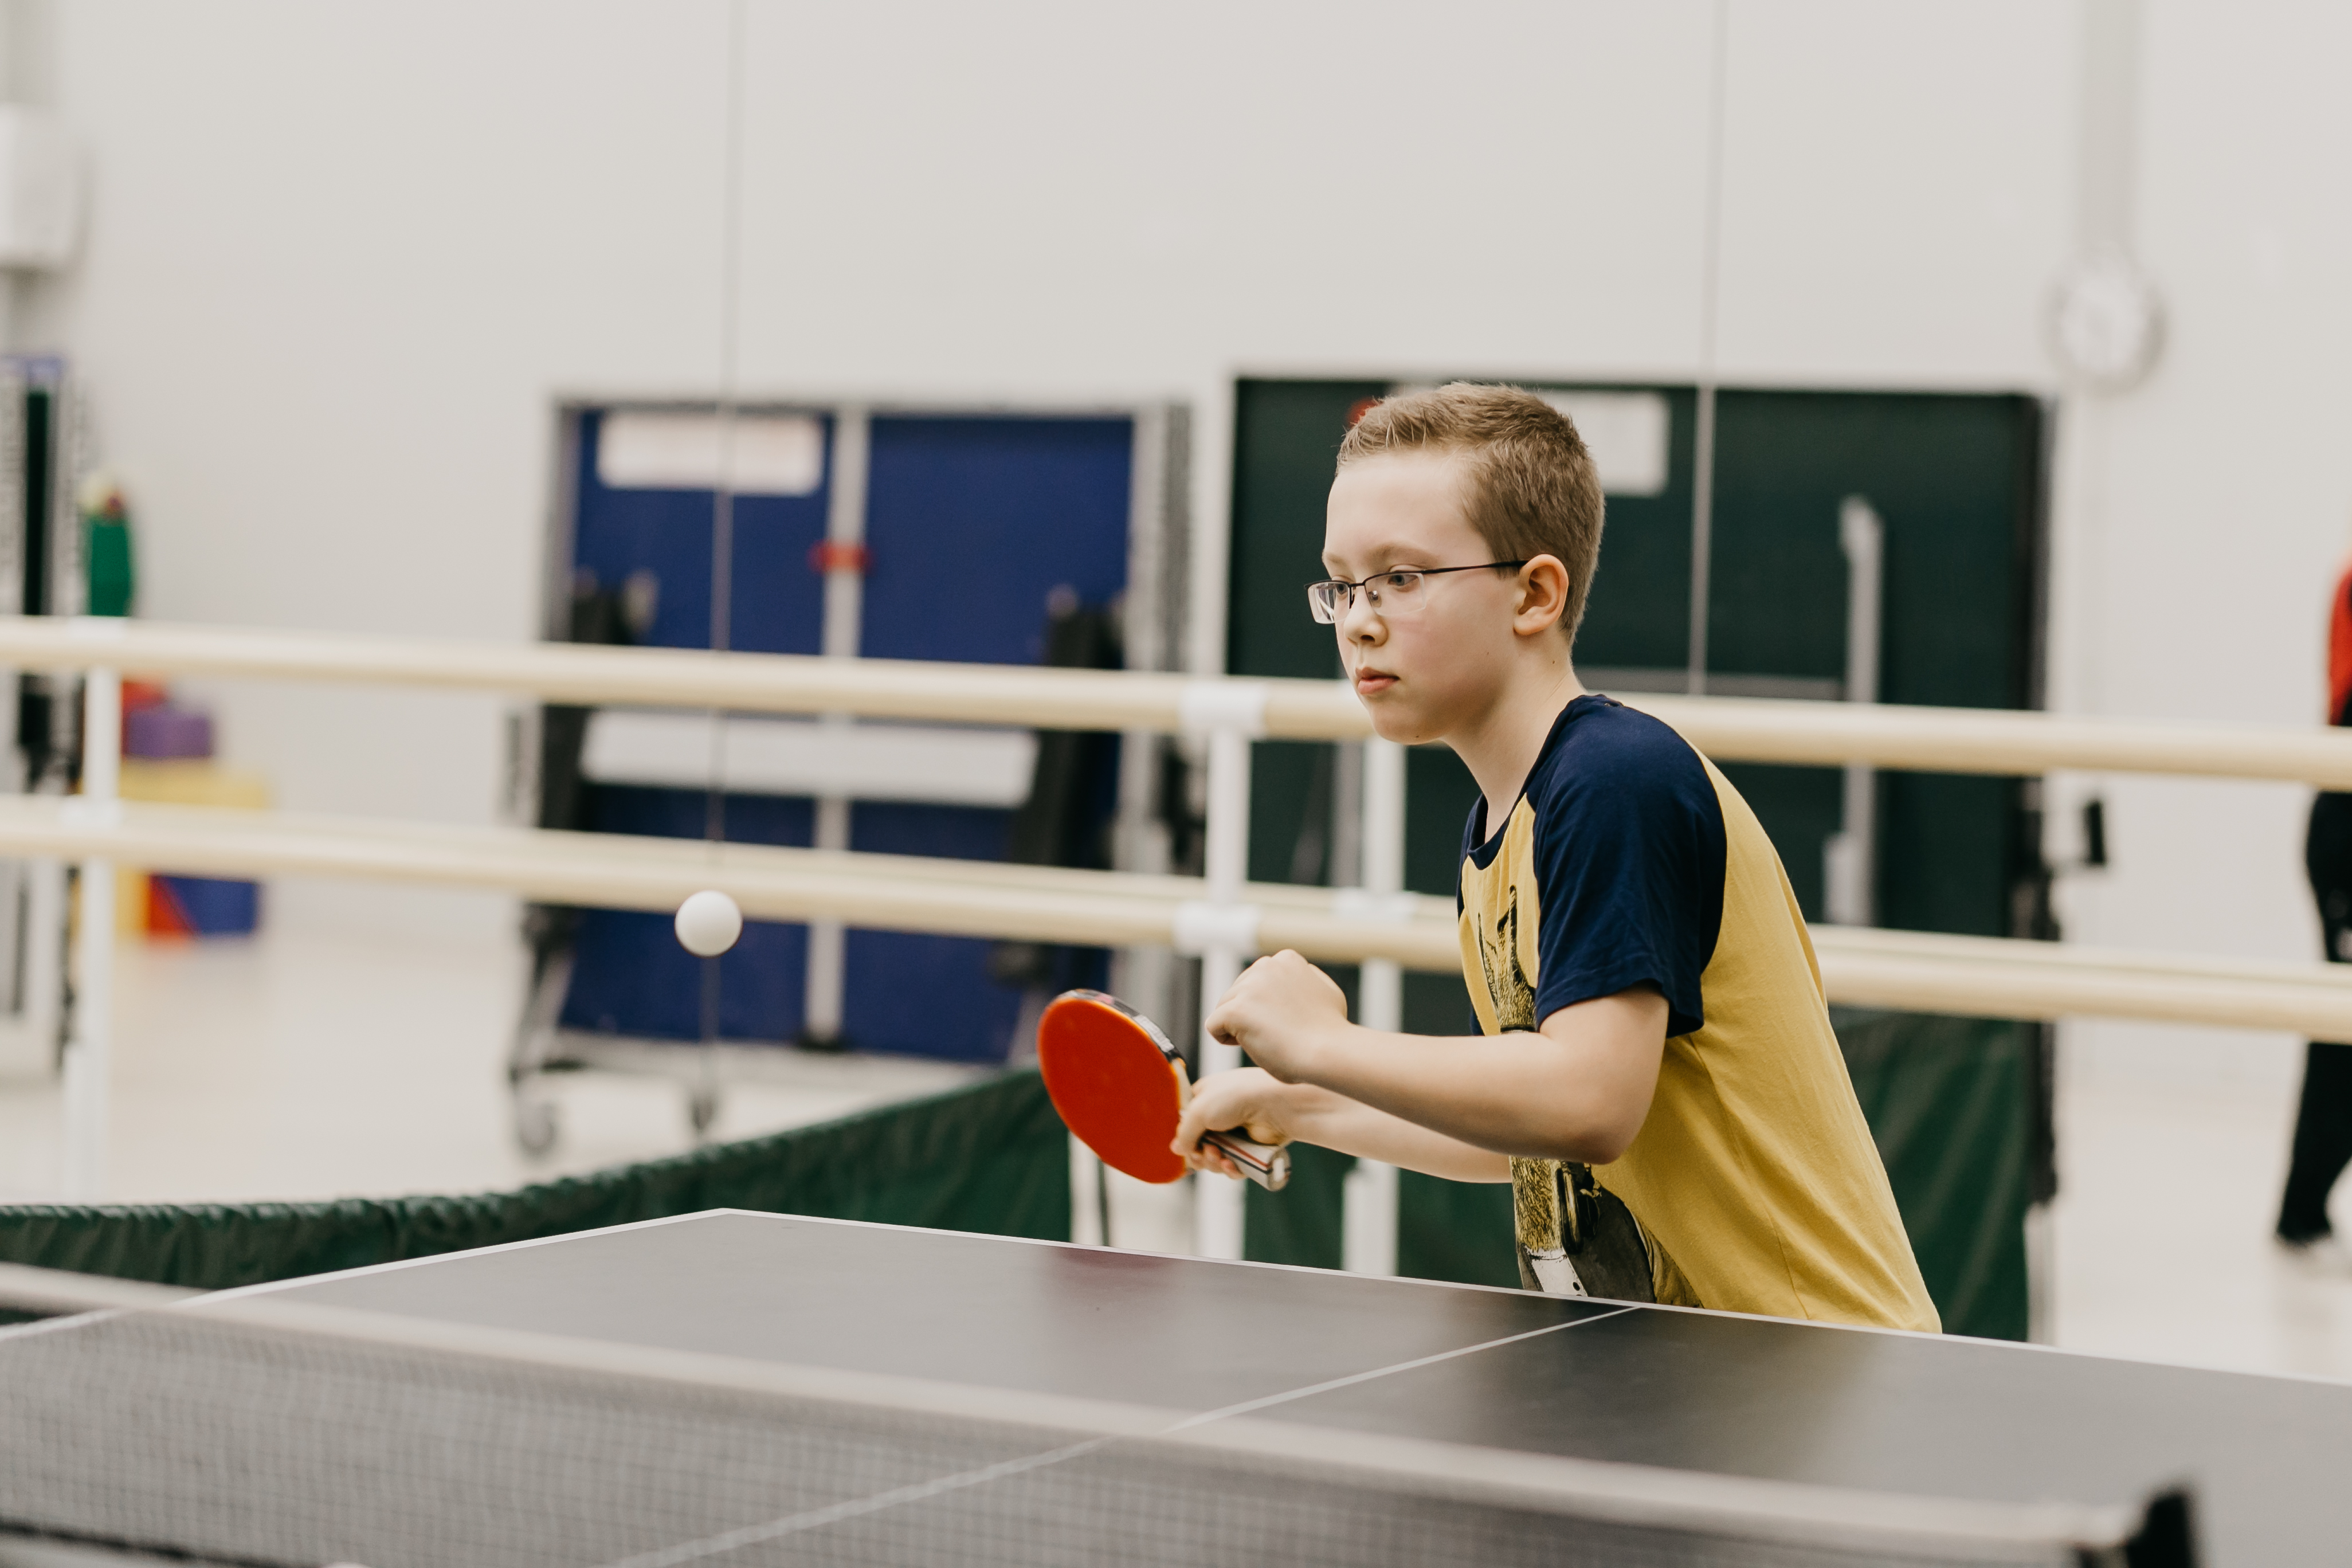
{"points": [[1916, 739], [1973, 976]]}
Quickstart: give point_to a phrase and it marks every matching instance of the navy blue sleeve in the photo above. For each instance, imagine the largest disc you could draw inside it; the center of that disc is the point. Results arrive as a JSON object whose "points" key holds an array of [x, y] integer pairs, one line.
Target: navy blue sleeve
{"points": [[1630, 857]]}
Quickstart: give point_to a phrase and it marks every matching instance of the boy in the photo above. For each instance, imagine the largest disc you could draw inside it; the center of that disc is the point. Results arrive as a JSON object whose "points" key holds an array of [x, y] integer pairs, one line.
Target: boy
{"points": [[1657, 1077]]}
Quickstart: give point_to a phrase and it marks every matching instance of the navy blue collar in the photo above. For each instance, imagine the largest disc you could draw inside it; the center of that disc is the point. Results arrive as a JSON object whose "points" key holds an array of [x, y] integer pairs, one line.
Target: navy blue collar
{"points": [[1488, 843]]}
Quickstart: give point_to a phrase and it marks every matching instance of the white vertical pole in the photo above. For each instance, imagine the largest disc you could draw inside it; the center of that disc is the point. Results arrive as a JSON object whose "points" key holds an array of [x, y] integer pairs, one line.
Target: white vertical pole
{"points": [[828, 942], [1369, 1214], [1217, 1201], [1089, 1225], [87, 1064], [1849, 858], [844, 619]]}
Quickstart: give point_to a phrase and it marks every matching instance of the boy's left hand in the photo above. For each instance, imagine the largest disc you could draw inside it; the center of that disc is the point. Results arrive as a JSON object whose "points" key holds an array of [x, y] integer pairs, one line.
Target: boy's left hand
{"points": [[1281, 1011]]}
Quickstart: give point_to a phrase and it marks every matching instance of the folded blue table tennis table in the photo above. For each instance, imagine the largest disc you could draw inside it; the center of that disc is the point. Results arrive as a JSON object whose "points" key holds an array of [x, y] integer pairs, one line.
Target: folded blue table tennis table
{"points": [[737, 1388]]}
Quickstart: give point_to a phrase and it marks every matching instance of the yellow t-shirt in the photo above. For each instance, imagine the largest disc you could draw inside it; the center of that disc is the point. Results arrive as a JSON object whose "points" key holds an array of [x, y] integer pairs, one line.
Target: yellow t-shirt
{"points": [[1629, 860]]}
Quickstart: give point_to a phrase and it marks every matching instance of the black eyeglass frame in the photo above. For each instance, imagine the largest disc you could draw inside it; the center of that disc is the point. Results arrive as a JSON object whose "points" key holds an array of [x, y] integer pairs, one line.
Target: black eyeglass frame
{"points": [[1346, 604]]}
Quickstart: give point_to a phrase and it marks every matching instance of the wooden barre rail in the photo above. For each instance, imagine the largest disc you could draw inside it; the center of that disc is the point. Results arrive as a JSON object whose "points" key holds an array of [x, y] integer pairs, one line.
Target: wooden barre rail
{"points": [[1998, 741], [1967, 976], [1021, 695], [1931, 739]]}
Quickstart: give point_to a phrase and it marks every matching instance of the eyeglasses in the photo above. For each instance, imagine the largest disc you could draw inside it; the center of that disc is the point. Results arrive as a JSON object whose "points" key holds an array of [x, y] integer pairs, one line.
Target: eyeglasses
{"points": [[1388, 592]]}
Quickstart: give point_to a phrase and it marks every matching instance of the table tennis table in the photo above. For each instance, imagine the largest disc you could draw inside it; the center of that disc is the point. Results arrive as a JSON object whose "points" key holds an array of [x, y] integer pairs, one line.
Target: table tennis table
{"points": [[733, 1388]]}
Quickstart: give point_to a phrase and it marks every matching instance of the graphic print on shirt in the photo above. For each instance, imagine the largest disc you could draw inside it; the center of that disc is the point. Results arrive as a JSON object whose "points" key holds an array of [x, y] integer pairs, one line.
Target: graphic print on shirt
{"points": [[1575, 1238], [1513, 994]]}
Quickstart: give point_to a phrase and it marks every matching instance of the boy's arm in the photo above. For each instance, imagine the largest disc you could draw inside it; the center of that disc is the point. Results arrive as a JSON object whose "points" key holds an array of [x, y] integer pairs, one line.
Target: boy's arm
{"points": [[1278, 1112], [1578, 1090]]}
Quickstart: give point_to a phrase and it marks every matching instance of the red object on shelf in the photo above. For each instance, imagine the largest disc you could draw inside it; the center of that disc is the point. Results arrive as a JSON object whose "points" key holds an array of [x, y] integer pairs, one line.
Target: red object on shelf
{"points": [[139, 694], [164, 915]]}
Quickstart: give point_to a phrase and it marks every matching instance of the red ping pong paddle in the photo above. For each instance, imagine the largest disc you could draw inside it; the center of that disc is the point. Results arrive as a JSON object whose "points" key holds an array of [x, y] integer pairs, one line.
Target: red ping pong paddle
{"points": [[1120, 1087]]}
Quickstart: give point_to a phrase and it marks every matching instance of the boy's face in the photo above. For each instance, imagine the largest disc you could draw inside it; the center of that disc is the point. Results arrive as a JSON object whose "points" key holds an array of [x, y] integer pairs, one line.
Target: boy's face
{"points": [[1420, 671]]}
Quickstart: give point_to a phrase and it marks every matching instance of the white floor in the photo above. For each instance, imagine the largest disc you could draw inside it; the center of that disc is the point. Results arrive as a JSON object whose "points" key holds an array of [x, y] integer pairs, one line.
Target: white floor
{"points": [[2172, 1151], [309, 1065]]}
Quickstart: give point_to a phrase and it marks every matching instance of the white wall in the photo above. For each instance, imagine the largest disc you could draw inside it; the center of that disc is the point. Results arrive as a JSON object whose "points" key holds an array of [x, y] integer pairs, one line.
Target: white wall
{"points": [[2216, 503], [339, 261], [342, 259]]}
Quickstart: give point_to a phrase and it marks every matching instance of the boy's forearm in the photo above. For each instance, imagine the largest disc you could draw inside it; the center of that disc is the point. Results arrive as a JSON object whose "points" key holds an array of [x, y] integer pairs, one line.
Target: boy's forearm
{"points": [[1577, 1088], [1520, 1093], [1332, 1121]]}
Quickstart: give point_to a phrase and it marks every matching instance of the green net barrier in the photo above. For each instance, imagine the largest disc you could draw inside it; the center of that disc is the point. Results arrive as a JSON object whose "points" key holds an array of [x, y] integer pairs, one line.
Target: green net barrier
{"points": [[1948, 1101], [989, 1157]]}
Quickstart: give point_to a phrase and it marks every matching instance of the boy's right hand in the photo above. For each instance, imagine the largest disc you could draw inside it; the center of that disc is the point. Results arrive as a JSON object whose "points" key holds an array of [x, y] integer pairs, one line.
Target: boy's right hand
{"points": [[1249, 1099]]}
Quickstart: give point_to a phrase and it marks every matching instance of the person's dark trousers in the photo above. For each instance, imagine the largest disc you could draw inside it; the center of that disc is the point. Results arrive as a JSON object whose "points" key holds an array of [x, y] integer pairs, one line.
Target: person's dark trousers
{"points": [[2323, 1122]]}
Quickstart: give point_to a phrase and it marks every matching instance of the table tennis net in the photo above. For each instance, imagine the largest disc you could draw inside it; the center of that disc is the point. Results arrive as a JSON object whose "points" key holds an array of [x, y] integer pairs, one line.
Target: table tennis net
{"points": [[257, 1433]]}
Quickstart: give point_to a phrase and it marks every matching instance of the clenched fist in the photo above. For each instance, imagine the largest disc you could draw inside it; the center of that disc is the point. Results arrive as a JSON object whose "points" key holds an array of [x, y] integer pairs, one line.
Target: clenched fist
{"points": [[1283, 1011]]}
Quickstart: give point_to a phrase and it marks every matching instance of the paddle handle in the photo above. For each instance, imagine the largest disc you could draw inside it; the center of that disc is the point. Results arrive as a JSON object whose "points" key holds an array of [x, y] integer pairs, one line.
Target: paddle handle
{"points": [[1267, 1164]]}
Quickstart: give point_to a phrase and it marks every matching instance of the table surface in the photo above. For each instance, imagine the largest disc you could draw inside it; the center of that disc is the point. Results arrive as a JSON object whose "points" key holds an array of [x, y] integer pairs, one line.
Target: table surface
{"points": [[1710, 1391]]}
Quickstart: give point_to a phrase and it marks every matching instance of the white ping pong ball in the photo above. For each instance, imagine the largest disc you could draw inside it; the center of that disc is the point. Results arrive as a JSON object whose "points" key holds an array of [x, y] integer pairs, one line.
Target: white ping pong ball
{"points": [[709, 923]]}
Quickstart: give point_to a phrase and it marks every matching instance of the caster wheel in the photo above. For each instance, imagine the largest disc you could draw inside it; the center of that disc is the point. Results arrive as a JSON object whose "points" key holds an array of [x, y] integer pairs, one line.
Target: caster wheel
{"points": [[535, 1125], [701, 1110]]}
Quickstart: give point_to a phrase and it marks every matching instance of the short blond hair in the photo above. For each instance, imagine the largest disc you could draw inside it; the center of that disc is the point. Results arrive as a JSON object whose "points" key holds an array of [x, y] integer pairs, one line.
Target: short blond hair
{"points": [[1533, 491]]}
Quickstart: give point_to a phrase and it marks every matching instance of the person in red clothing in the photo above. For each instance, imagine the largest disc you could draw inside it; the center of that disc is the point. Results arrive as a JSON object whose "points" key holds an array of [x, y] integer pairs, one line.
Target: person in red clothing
{"points": [[2322, 1122]]}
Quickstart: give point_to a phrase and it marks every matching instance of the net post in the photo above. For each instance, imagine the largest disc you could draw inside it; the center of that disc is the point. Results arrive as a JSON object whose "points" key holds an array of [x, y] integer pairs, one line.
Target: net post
{"points": [[1369, 1198], [88, 1051]]}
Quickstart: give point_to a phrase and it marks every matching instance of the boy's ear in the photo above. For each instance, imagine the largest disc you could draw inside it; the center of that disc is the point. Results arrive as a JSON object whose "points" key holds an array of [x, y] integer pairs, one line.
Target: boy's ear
{"points": [[1543, 595]]}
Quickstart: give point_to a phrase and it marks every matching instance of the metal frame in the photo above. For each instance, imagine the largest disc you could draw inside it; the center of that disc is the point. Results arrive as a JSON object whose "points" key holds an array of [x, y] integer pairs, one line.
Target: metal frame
{"points": [[34, 896]]}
